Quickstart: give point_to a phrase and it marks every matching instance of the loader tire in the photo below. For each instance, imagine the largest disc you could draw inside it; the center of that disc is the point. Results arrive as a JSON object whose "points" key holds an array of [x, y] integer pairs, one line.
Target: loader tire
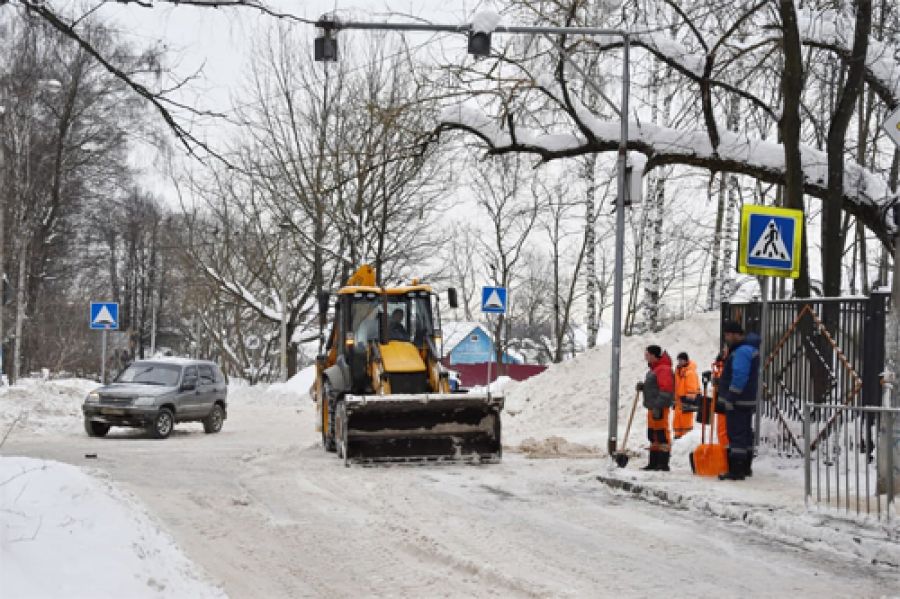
{"points": [[328, 419], [340, 422]]}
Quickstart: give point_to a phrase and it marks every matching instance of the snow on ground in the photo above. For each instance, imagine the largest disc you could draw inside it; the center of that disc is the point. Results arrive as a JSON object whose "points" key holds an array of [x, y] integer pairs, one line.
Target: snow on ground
{"points": [[564, 412], [292, 392], [257, 506], [44, 406], [65, 533], [570, 401], [101, 541]]}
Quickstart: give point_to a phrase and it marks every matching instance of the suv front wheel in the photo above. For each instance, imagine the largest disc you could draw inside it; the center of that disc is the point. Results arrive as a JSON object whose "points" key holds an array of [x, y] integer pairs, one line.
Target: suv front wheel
{"points": [[95, 429], [162, 424], [213, 422]]}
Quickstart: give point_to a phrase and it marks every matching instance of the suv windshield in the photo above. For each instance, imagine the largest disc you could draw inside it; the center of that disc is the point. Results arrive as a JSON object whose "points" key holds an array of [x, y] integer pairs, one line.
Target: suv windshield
{"points": [[151, 374]]}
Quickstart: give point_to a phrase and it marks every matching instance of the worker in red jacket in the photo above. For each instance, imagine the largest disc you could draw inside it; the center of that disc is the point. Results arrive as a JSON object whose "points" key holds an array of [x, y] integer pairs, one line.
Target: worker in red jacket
{"points": [[659, 390]]}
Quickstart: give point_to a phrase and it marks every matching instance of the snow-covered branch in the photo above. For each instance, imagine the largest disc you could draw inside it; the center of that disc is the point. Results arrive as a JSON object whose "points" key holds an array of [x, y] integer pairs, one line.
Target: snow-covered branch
{"points": [[832, 31], [865, 194]]}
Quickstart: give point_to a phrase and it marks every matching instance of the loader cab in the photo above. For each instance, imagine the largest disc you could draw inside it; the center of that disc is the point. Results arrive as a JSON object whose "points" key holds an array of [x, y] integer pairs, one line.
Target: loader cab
{"points": [[385, 317]]}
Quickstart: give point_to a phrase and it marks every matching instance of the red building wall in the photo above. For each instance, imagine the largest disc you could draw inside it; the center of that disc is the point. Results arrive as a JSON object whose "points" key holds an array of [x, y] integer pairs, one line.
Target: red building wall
{"points": [[476, 374]]}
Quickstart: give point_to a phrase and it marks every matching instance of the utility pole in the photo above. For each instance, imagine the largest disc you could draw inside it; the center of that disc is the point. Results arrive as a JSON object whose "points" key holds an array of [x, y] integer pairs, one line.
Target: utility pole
{"points": [[2, 251]]}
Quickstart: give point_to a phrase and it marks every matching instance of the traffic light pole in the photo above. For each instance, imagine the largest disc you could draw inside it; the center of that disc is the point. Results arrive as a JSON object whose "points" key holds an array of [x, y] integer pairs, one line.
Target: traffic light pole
{"points": [[326, 49]]}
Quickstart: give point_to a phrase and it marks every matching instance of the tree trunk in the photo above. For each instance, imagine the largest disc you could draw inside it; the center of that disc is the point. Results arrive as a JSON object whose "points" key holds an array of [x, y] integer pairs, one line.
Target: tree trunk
{"points": [[712, 297], [837, 131], [590, 242], [792, 88], [20, 313]]}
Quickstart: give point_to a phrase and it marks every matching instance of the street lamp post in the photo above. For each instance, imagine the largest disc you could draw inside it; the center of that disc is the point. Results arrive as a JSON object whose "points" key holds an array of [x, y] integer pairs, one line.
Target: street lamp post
{"points": [[2, 252], [479, 45]]}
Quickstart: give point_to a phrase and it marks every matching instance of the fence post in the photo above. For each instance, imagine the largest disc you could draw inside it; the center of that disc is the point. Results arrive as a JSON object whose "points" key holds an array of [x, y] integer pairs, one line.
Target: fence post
{"points": [[807, 471]]}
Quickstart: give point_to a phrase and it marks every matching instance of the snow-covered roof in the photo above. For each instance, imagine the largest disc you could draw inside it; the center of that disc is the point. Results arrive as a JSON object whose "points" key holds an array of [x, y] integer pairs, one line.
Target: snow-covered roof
{"points": [[457, 330]]}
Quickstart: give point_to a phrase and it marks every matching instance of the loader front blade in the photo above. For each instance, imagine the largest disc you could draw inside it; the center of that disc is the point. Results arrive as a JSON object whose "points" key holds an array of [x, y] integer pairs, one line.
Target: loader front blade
{"points": [[421, 427]]}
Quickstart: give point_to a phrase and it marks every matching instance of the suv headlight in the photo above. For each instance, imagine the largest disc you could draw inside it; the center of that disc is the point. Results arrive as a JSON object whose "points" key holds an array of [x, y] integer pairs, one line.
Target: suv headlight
{"points": [[144, 401], [92, 397]]}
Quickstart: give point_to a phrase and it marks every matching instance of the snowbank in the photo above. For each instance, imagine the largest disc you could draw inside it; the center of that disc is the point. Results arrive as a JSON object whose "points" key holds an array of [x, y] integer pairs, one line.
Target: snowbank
{"points": [[571, 400], [67, 534], [290, 393], [44, 407], [498, 385]]}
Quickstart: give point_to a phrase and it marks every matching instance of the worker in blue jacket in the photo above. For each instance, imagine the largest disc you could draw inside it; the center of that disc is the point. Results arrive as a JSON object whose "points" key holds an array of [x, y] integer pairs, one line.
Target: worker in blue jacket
{"points": [[737, 395]]}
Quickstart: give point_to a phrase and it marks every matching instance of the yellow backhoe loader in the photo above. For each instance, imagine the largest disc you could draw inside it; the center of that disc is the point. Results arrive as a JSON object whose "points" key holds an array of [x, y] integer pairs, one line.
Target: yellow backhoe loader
{"points": [[381, 391]]}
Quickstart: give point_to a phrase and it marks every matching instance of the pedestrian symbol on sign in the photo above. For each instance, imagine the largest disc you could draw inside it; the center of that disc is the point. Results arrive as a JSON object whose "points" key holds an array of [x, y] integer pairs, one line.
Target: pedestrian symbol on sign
{"points": [[104, 318], [493, 300], [770, 241], [770, 244]]}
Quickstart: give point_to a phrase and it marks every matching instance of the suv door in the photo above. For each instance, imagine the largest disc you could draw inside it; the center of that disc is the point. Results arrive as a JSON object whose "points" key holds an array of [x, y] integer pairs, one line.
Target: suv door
{"points": [[207, 389], [188, 394], [221, 385]]}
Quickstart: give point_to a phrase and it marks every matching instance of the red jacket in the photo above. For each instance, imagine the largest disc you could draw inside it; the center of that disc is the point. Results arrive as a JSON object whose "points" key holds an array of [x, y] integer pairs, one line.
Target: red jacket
{"points": [[659, 384]]}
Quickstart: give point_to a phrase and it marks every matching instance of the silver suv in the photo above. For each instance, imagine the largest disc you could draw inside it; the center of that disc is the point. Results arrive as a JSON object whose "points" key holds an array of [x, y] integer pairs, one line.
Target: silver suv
{"points": [[155, 394]]}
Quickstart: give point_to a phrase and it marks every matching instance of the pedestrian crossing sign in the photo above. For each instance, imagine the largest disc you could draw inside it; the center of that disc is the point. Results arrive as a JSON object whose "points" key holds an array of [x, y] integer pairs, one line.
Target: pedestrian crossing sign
{"points": [[770, 241], [105, 315], [493, 300]]}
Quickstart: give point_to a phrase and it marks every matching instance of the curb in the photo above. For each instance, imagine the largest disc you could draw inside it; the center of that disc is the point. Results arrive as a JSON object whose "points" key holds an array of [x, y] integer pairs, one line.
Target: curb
{"points": [[807, 529]]}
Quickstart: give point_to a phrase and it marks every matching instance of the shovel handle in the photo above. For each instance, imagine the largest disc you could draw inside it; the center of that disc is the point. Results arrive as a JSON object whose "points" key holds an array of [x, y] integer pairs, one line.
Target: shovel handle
{"points": [[704, 408], [630, 418]]}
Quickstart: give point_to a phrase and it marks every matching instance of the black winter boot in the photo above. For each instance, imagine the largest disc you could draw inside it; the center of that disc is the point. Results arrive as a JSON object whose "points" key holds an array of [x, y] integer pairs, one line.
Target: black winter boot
{"points": [[735, 468], [663, 461], [653, 464]]}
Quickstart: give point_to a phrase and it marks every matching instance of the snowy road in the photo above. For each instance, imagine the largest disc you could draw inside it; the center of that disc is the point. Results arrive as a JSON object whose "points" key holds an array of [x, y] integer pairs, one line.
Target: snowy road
{"points": [[268, 514]]}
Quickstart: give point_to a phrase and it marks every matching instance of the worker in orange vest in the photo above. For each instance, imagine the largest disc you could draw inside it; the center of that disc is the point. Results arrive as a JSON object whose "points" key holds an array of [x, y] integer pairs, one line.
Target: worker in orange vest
{"points": [[687, 386]]}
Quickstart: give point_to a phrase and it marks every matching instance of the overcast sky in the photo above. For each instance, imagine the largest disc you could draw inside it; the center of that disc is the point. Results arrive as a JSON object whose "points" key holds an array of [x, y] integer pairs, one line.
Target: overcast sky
{"points": [[217, 42]]}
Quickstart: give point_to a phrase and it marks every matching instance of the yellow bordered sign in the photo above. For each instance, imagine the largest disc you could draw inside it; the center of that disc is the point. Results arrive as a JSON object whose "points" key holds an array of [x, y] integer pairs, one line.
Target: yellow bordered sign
{"points": [[770, 241]]}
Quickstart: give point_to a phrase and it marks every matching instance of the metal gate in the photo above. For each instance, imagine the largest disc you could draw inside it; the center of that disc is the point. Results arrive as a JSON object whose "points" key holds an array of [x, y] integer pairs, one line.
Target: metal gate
{"points": [[819, 351]]}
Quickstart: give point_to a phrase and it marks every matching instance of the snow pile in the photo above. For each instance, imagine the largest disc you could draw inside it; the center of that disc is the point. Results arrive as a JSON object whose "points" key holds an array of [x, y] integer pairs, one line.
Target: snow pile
{"points": [[498, 385], [290, 393], [95, 540], [571, 400], [44, 406], [485, 21]]}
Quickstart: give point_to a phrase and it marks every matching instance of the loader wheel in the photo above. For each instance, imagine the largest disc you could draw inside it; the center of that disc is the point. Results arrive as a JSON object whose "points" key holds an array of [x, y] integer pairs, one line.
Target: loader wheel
{"points": [[340, 421], [328, 419]]}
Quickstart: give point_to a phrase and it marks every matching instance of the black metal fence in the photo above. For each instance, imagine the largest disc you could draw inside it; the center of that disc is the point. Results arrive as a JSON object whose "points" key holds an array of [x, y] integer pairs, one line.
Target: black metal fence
{"points": [[840, 459], [818, 351]]}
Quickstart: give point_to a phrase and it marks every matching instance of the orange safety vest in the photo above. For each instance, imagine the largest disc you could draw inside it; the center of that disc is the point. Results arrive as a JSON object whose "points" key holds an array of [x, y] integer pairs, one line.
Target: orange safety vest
{"points": [[687, 384]]}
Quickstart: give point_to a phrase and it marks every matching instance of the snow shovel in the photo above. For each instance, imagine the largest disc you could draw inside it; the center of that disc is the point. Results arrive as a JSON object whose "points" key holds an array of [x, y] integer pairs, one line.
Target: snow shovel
{"points": [[709, 459], [620, 456]]}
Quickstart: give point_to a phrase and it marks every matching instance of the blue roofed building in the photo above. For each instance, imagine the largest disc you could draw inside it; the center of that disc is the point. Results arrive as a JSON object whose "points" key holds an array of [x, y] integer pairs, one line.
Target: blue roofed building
{"points": [[471, 343]]}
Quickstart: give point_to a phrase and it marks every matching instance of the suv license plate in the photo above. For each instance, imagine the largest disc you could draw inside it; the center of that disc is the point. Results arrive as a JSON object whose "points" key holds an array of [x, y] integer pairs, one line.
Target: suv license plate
{"points": [[112, 411]]}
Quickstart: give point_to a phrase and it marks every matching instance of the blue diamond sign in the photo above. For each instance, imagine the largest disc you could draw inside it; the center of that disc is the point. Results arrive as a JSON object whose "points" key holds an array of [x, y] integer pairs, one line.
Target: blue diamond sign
{"points": [[493, 300], [105, 315], [770, 241]]}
